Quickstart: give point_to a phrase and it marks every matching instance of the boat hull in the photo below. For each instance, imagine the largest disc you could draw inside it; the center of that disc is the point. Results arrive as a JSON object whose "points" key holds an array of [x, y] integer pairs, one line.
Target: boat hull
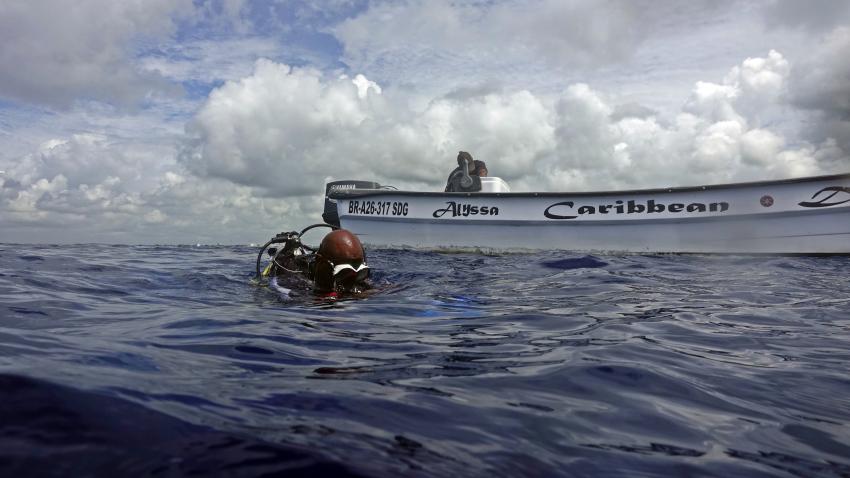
{"points": [[802, 216]]}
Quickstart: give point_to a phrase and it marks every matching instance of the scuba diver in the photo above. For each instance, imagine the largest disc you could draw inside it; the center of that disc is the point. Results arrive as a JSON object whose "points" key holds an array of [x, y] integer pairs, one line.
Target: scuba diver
{"points": [[337, 267]]}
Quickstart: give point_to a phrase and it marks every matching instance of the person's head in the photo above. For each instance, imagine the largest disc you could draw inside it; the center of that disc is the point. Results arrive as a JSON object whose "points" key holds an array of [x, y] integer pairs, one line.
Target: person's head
{"points": [[463, 155], [340, 262]]}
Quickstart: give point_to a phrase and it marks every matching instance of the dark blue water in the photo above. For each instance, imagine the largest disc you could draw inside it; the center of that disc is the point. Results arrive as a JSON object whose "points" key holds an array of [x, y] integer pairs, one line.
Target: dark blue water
{"points": [[168, 361]]}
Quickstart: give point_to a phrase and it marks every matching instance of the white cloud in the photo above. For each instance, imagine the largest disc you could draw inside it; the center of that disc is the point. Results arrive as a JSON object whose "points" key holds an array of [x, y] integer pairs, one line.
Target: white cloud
{"points": [[26, 200], [275, 127], [719, 137], [281, 125], [90, 159], [363, 85], [209, 60], [760, 147], [747, 92], [561, 32], [159, 207], [54, 52], [457, 43], [155, 217], [762, 76]]}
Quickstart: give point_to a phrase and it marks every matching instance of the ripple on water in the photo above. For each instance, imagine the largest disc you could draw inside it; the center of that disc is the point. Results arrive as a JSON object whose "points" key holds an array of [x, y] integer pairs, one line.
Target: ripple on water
{"points": [[552, 364]]}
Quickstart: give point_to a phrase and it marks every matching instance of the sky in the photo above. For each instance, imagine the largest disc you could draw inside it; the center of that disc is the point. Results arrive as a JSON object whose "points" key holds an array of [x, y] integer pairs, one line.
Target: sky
{"points": [[220, 121]]}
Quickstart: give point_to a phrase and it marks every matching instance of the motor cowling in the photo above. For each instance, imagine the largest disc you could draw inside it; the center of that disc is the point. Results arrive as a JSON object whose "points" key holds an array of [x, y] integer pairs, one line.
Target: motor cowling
{"points": [[331, 215]]}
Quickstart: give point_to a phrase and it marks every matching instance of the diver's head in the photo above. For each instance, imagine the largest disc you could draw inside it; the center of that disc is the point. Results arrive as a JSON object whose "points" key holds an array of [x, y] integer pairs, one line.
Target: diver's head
{"points": [[340, 263]]}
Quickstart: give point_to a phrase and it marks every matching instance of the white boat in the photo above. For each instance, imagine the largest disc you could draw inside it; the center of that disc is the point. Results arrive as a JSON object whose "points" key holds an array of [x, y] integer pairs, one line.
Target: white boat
{"points": [[793, 216]]}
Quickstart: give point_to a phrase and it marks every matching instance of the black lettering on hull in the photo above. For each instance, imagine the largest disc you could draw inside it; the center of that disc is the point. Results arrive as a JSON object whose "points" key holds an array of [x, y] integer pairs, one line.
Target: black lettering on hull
{"points": [[453, 209], [560, 210]]}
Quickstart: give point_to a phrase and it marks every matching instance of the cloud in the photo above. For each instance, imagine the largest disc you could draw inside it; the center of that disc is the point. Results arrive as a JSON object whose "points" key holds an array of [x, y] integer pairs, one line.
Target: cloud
{"points": [[274, 127], [812, 15], [282, 125], [721, 135], [84, 187], [747, 92], [209, 61], [257, 153], [453, 40], [632, 110], [223, 15], [821, 84], [89, 159], [54, 52], [135, 197]]}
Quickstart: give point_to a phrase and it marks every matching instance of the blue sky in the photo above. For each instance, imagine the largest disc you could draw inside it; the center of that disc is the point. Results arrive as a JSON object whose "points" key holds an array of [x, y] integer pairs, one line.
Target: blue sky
{"points": [[219, 121]]}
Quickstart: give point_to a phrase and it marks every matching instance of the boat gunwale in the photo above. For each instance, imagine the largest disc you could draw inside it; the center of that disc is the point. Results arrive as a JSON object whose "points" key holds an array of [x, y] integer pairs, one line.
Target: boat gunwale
{"points": [[357, 193], [491, 221]]}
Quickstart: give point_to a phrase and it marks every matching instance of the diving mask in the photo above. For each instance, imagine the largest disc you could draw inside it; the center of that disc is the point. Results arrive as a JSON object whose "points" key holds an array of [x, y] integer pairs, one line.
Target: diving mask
{"points": [[349, 273]]}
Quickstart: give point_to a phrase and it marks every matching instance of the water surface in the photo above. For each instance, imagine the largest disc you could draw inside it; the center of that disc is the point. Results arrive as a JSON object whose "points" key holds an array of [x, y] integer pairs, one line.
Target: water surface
{"points": [[167, 360]]}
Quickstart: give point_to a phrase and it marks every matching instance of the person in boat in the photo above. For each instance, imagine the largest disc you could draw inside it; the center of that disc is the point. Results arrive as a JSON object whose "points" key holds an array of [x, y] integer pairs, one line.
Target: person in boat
{"points": [[459, 182], [337, 267]]}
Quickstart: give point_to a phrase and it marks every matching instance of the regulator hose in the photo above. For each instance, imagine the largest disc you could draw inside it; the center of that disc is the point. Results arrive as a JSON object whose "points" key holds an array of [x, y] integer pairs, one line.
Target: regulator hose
{"points": [[285, 237], [321, 224]]}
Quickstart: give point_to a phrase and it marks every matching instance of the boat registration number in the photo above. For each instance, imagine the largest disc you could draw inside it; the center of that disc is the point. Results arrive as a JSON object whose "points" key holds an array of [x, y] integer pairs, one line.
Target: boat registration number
{"points": [[378, 208]]}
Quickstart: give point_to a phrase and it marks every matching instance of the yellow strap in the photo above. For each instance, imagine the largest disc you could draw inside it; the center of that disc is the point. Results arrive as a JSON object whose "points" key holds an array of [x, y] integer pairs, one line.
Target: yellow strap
{"points": [[267, 270]]}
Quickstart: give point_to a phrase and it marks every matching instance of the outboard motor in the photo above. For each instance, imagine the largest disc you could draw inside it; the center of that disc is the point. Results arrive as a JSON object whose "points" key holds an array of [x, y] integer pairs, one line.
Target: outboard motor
{"points": [[467, 182], [461, 181], [331, 216]]}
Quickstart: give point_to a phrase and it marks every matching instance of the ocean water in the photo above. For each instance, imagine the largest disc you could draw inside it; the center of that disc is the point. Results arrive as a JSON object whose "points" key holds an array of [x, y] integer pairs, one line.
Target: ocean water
{"points": [[169, 361]]}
